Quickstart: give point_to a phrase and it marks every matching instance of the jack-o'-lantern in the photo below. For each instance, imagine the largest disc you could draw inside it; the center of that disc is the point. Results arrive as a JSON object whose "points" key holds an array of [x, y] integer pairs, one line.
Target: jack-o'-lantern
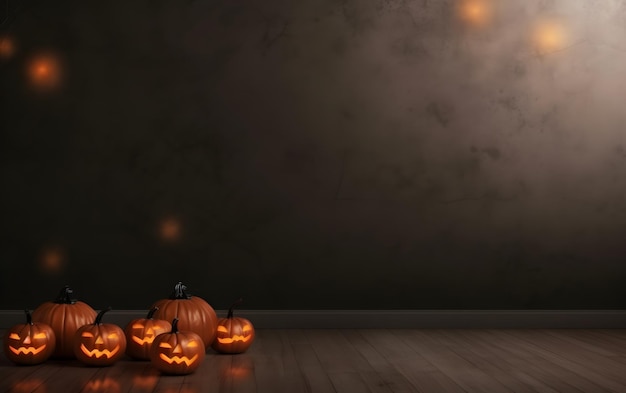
{"points": [[141, 332], [177, 352], [64, 315], [29, 343], [99, 344], [194, 313], [234, 334]]}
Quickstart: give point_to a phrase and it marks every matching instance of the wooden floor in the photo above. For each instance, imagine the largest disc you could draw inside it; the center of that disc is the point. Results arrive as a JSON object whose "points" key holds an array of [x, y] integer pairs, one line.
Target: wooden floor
{"points": [[354, 361]]}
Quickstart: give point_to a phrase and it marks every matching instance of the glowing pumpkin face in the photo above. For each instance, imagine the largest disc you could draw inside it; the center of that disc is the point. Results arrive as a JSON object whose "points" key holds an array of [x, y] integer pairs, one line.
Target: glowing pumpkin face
{"points": [[177, 352], [99, 344], [194, 313], [30, 343], [141, 332], [234, 335]]}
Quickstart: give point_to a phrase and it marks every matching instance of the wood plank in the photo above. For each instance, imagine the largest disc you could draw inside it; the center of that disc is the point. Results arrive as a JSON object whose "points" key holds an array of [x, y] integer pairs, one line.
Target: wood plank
{"points": [[601, 370], [496, 366], [464, 373], [554, 374], [275, 365], [315, 378]]}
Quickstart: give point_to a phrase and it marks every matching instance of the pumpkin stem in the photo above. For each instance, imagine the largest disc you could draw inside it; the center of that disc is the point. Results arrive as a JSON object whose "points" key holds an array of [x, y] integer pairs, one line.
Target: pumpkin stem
{"points": [[65, 296], [232, 306], [180, 292], [174, 326], [29, 318], [100, 314], [151, 312]]}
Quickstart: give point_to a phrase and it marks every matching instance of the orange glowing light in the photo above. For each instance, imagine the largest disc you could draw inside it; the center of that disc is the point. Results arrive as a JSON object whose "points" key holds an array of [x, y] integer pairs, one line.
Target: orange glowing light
{"points": [[145, 382], [549, 36], [7, 47], [52, 260], [28, 385], [475, 13], [100, 384], [170, 229], [44, 72]]}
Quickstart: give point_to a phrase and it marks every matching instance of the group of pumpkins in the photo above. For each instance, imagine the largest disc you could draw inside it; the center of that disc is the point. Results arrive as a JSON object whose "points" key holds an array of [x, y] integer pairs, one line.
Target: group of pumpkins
{"points": [[66, 328]]}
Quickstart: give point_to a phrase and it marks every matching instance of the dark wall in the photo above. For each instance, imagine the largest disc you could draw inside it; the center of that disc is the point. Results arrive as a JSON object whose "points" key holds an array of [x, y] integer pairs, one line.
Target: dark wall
{"points": [[360, 154]]}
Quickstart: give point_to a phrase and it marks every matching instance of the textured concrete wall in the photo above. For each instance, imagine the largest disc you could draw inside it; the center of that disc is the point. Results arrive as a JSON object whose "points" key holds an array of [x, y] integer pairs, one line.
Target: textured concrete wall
{"points": [[317, 153]]}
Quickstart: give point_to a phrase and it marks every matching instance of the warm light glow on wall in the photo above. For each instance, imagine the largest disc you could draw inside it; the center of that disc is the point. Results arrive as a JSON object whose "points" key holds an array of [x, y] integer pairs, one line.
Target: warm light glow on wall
{"points": [[549, 36], [52, 260], [476, 13], [44, 72], [7, 47], [170, 229]]}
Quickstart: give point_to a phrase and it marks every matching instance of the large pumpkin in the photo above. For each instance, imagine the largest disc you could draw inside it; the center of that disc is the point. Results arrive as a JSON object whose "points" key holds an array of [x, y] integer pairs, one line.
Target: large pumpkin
{"points": [[193, 313], [140, 334], [64, 315], [99, 344], [234, 335], [177, 352], [29, 343]]}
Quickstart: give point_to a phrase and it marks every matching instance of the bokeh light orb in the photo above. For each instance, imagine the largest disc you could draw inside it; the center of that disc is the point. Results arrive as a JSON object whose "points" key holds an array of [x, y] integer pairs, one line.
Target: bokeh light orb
{"points": [[549, 35], [52, 260], [44, 72], [475, 13], [7, 47], [170, 229]]}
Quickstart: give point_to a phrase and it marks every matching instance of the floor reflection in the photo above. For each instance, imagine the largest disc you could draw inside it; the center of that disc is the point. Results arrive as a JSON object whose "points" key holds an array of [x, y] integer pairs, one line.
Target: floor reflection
{"points": [[102, 384], [28, 385]]}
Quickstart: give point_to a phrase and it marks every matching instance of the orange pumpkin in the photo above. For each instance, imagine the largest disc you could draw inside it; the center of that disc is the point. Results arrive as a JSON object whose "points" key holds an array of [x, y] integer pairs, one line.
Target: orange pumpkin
{"points": [[177, 352], [29, 343], [234, 335], [99, 344], [141, 332], [194, 313], [64, 315]]}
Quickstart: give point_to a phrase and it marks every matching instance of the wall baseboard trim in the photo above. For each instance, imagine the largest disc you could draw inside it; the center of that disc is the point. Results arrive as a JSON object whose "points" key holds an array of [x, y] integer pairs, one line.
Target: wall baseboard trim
{"points": [[397, 319]]}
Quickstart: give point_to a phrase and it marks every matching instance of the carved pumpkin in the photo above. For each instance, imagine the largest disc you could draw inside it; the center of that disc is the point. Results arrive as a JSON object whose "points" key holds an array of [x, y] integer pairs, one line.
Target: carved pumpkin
{"points": [[141, 332], [177, 352], [64, 315], [29, 343], [99, 344], [234, 335], [194, 313]]}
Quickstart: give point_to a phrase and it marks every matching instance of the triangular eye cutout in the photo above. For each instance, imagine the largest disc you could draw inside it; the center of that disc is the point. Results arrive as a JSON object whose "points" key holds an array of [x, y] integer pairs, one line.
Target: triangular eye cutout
{"points": [[222, 329], [165, 345], [14, 336], [87, 334]]}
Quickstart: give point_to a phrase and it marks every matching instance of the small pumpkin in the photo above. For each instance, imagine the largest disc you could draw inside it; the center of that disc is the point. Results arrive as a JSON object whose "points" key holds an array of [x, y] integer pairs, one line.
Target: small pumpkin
{"points": [[177, 352], [140, 334], [64, 315], [99, 344], [234, 334], [194, 313], [29, 343]]}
